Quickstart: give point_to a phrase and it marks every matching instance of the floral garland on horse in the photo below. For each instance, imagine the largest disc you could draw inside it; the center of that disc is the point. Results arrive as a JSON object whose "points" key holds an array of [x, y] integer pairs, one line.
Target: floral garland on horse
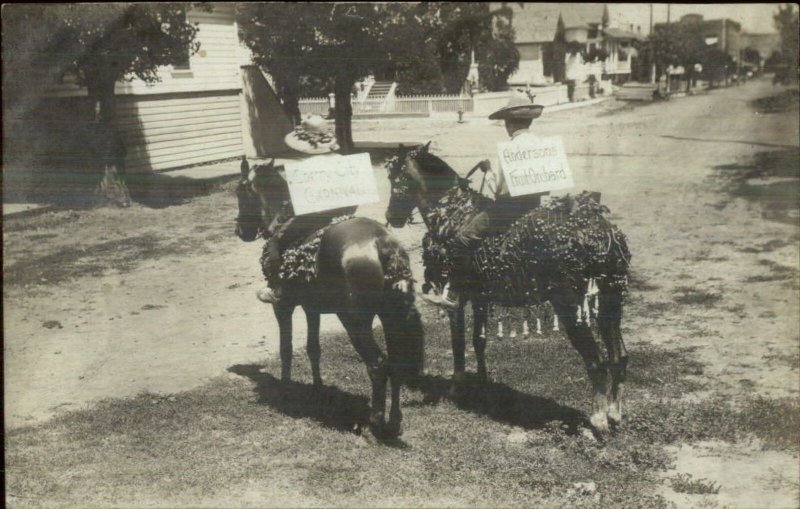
{"points": [[572, 238]]}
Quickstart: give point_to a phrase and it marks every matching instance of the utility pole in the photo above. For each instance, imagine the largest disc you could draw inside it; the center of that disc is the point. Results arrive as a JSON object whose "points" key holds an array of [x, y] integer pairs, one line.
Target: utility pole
{"points": [[668, 7], [650, 35]]}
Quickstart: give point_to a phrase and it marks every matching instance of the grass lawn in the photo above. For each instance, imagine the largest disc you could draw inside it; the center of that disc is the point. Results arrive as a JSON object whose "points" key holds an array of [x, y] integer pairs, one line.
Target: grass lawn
{"points": [[246, 439]]}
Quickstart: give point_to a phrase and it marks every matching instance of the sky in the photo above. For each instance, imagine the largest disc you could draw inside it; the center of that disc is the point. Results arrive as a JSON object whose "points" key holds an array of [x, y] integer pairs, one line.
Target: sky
{"points": [[754, 18]]}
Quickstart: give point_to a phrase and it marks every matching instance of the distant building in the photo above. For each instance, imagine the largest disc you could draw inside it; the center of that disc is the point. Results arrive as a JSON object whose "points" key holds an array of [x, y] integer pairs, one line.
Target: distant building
{"points": [[727, 35], [552, 39], [724, 34]]}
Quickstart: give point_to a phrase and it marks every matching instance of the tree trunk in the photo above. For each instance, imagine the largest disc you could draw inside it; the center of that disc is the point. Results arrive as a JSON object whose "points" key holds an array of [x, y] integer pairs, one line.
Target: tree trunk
{"points": [[343, 110], [106, 148], [291, 102]]}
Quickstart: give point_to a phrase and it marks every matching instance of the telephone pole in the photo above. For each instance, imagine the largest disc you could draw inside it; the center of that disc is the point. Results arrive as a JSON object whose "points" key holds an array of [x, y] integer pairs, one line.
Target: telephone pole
{"points": [[650, 35]]}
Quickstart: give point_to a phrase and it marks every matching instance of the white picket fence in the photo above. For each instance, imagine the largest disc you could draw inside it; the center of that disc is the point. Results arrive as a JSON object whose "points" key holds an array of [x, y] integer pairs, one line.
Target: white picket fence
{"points": [[423, 105]]}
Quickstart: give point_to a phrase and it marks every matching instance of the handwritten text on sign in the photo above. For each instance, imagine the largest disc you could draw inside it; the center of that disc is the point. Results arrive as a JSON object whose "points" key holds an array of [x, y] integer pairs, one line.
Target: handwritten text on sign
{"points": [[330, 182], [534, 165]]}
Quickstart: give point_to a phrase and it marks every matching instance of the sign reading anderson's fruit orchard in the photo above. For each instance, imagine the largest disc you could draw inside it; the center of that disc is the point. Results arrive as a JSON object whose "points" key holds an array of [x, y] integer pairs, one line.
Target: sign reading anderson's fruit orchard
{"points": [[534, 165], [330, 182]]}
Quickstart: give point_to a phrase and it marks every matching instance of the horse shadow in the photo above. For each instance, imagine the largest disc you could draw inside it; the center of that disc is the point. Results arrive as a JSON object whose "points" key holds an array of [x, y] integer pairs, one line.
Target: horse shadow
{"points": [[499, 402], [345, 412], [330, 406]]}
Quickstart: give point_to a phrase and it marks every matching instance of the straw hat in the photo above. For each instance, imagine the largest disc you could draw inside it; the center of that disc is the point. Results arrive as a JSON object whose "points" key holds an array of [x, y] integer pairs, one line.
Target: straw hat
{"points": [[518, 107], [312, 136]]}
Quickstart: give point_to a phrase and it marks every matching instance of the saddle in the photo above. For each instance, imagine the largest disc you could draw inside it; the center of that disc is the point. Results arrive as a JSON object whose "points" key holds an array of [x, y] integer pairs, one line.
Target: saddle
{"points": [[299, 261]]}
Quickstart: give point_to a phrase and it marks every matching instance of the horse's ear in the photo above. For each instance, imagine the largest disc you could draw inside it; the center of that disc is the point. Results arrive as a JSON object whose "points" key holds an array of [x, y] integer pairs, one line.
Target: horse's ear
{"points": [[427, 146], [245, 167]]}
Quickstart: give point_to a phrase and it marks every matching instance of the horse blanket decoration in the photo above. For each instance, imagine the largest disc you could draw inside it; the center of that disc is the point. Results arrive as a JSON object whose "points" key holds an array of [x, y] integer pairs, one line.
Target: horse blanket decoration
{"points": [[299, 264], [573, 242]]}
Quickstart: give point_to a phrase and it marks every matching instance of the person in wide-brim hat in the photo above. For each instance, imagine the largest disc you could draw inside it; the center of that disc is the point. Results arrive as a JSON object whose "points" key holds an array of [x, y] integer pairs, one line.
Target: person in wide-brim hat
{"points": [[312, 137], [518, 107], [518, 115]]}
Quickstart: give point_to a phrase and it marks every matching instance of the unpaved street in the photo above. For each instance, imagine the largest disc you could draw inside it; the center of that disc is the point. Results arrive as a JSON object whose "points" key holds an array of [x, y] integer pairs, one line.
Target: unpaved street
{"points": [[110, 303]]}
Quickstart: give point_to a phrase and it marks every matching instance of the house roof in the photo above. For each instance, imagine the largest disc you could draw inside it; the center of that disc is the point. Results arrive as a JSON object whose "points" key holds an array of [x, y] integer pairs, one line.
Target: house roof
{"points": [[538, 22]]}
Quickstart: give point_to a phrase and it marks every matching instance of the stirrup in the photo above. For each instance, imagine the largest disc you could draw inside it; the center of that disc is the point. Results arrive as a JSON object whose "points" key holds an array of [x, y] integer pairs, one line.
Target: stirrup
{"points": [[268, 295]]}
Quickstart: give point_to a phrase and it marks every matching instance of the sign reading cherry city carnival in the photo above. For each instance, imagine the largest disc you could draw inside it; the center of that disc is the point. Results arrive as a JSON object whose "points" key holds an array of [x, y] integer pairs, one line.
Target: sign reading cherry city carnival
{"points": [[331, 182], [534, 165]]}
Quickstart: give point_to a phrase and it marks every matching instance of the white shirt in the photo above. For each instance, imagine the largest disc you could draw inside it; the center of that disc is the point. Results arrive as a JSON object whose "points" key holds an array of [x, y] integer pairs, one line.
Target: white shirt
{"points": [[495, 181]]}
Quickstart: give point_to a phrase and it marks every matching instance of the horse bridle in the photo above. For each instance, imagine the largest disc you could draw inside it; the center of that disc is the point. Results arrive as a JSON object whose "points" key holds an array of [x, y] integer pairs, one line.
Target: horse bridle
{"points": [[401, 179], [264, 232], [400, 183]]}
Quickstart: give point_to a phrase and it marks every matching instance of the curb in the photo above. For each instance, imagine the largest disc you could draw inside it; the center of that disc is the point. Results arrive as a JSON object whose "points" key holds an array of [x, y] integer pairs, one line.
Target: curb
{"points": [[579, 104], [15, 210]]}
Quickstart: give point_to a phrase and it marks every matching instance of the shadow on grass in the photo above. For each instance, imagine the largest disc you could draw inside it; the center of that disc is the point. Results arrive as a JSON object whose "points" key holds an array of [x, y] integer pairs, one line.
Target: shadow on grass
{"points": [[76, 190], [157, 190], [770, 178], [499, 402], [776, 103], [328, 405]]}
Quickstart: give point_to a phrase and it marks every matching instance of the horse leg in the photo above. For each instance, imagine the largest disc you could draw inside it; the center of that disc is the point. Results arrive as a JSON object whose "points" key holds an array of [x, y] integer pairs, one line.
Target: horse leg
{"points": [[608, 321], [394, 427], [479, 317], [458, 343], [312, 346], [283, 314], [580, 335], [359, 327]]}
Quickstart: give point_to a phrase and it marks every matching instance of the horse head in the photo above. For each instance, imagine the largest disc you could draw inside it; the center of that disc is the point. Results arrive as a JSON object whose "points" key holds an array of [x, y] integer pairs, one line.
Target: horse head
{"points": [[263, 197], [418, 179]]}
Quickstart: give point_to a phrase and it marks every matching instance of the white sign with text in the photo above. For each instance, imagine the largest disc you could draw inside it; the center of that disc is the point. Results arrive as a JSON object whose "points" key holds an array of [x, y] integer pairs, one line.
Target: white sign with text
{"points": [[534, 165], [331, 182]]}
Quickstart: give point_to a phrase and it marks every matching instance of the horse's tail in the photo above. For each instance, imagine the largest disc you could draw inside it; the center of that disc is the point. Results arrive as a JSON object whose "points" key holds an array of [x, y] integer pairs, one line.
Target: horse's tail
{"points": [[402, 323]]}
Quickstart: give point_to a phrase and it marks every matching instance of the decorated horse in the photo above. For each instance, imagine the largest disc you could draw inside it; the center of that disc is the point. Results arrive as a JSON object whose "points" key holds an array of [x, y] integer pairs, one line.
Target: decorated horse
{"points": [[550, 254], [354, 268]]}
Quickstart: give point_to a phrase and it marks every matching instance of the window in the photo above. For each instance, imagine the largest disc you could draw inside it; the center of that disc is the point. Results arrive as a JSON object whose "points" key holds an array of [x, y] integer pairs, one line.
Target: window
{"points": [[183, 65], [592, 32]]}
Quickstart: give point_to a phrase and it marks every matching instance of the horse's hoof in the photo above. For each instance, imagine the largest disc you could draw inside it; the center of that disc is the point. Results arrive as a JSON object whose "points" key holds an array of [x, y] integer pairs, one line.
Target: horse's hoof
{"points": [[393, 429], [615, 418], [599, 422]]}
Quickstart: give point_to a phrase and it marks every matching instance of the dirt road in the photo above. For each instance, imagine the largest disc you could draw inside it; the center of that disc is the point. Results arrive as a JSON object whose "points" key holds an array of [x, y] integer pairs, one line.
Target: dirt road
{"points": [[111, 303]]}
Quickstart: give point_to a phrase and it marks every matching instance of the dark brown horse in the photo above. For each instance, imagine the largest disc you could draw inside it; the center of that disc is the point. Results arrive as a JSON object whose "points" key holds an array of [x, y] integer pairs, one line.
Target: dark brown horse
{"points": [[548, 255], [361, 272]]}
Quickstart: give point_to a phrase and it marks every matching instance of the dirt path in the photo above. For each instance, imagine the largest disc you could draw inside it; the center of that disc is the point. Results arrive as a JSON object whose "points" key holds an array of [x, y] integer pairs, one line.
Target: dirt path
{"points": [[112, 303]]}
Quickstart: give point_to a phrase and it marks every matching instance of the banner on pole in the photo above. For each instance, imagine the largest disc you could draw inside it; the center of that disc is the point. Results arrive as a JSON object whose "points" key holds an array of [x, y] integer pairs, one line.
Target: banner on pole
{"points": [[331, 182], [534, 165]]}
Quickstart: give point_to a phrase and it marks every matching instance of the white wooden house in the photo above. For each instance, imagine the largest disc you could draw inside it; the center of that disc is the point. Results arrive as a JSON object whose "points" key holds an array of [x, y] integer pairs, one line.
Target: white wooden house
{"points": [[544, 31], [197, 113]]}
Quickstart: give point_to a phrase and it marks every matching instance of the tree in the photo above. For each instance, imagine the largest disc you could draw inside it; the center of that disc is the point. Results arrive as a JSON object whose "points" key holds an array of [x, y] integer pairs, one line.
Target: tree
{"points": [[329, 45], [786, 21], [717, 65], [98, 44], [675, 44], [474, 26]]}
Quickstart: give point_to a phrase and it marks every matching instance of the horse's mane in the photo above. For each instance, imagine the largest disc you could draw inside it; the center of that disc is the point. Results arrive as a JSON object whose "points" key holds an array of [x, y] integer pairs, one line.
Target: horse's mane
{"points": [[434, 164]]}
